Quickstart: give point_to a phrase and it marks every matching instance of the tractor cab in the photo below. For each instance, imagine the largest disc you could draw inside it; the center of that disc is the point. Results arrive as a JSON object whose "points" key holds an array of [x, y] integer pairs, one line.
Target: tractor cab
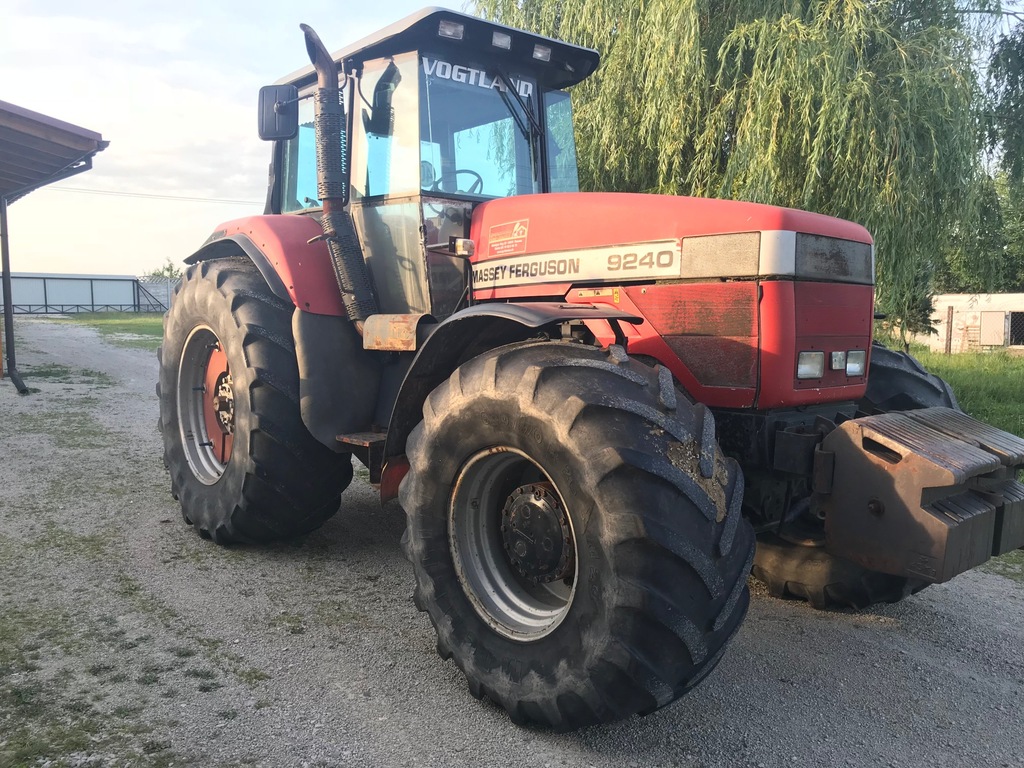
{"points": [[442, 111]]}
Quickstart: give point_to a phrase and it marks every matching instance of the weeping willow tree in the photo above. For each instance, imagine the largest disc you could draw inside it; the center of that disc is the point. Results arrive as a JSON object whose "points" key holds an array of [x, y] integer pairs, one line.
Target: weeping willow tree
{"points": [[1006, 120], [864, 109]]}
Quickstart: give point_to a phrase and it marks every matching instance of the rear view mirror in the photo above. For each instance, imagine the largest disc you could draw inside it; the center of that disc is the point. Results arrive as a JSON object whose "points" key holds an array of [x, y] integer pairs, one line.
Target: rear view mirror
{"points": [[279, 112], [381, 120]]}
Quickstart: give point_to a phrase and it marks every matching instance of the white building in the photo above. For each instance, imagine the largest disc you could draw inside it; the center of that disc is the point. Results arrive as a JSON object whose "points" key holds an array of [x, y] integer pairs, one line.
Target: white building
{"points": [[969, 322]]}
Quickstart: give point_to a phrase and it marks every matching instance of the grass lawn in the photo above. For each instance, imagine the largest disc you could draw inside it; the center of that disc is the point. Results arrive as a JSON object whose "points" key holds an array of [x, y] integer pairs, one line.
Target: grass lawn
{"points": [[143, 330], [989, 386]]}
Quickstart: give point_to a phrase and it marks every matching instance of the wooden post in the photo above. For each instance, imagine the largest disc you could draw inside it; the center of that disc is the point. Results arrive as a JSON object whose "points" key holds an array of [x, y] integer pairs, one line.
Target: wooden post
{"points": [[949, 329]]}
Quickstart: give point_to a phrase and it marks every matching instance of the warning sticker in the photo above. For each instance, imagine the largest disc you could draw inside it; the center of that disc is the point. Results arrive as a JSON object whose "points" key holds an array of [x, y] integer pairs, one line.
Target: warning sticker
{"points": [[508, 239]]}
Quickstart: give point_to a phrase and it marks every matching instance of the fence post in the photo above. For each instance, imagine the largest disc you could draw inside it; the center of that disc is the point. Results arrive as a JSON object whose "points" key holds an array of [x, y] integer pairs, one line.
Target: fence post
{"points": [[949, 329], [5, 278]]}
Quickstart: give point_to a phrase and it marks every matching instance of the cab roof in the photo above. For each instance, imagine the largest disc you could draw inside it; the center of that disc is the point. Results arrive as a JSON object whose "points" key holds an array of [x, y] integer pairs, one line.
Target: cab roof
{"points": [[569, 64]]}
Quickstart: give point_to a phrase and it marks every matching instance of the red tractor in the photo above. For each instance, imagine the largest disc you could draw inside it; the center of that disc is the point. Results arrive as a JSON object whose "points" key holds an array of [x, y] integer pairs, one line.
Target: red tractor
{"points": [[587, 404]]}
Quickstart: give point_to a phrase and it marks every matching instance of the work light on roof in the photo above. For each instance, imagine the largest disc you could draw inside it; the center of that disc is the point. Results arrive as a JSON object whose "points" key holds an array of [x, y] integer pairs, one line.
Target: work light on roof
{"points": [[451, 29], [542, 53], [501, 40]]}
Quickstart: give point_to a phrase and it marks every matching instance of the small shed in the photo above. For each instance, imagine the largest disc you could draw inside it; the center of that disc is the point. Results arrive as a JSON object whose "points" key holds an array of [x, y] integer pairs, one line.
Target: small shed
{"points": [[969, 322], [35, 150]]}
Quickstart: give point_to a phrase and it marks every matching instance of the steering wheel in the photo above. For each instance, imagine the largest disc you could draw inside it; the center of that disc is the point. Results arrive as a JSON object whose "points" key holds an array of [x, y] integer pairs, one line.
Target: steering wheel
{"points": [[474, 189]]}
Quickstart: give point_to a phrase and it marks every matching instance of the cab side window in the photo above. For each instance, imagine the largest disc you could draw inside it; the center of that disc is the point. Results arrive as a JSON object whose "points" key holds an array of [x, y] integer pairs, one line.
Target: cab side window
{"points": [[563, 174], [385, 157], [298, 188]]}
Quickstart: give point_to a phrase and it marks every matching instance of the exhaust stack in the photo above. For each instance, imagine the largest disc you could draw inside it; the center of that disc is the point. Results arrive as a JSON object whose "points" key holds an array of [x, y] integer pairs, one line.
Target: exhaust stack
{"points": [[333, 185]]}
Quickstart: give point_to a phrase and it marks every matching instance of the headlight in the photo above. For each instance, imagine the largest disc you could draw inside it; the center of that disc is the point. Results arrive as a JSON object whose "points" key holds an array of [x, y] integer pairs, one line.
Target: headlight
{"points": [[838, 361], [810, 365], [856, 362]]}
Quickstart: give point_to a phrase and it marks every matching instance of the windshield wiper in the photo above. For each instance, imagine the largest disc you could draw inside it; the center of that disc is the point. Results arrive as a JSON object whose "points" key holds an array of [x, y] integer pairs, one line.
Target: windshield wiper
{"points": [[523, 129], [534, 123]]}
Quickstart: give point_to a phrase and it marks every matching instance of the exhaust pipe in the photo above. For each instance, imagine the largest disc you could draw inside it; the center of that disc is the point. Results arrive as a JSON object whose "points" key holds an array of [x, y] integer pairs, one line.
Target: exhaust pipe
{"points": [[332, 186]]}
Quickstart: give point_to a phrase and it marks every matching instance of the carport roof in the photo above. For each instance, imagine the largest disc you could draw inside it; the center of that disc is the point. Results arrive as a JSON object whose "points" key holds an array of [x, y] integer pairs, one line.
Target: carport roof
{"points": [[36, 150]]}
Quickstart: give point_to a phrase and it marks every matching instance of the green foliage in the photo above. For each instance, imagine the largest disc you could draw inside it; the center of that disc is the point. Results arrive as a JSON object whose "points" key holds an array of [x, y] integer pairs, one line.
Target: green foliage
{"points": [[912, 317], [972, 262], [1012, 261], [989, 258], [1006, 119], [169, 269], [863, 109]]}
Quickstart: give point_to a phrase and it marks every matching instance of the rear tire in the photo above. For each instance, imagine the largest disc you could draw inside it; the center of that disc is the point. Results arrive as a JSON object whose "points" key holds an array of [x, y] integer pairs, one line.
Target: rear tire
{"points": [[244, 468], [637, 579]]}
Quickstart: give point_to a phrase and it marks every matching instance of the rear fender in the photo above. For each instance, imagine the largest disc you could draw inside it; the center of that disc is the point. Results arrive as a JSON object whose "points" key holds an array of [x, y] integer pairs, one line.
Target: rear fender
{"points": [[285, 249], [328, 350], [339, 381], [461, 337]]}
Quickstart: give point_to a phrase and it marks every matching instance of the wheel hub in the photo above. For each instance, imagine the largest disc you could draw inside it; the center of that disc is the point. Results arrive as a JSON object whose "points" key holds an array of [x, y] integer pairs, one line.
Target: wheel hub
{"points": [[206, 405], [224, 403], [536, 534]]}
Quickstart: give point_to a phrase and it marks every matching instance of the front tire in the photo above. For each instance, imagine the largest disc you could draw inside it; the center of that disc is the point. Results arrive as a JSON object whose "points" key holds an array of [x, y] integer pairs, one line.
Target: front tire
{"points": [[243, 465], [575, 533], [825, 581], [803, 569]]}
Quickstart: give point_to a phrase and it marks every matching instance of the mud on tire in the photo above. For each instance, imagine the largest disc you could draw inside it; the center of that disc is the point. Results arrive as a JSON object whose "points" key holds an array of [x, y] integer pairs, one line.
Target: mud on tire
{"points": [[608, 453], [272, 480]]}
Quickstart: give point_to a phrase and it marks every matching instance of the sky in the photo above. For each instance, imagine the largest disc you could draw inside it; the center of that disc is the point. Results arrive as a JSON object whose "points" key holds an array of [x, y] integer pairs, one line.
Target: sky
{"points": [[173, 88]]}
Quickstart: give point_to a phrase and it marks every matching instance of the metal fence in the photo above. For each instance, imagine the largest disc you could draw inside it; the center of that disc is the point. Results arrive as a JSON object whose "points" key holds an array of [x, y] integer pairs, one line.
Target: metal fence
{"points": [[1016, 329], [42, 294], [160, 288]]}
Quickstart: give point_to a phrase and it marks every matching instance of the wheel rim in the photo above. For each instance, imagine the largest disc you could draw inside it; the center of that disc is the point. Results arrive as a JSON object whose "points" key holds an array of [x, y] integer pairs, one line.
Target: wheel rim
{"points": [[513, 544], [206, 405]]}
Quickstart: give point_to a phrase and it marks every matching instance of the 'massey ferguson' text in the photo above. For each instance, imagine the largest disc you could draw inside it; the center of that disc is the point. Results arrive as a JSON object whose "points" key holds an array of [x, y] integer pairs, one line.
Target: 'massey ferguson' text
{"points": [[635, 261]]}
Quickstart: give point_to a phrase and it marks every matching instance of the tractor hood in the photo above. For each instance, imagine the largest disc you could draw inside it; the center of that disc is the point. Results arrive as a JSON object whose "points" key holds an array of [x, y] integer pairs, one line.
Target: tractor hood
{"points": [[563, 239]]}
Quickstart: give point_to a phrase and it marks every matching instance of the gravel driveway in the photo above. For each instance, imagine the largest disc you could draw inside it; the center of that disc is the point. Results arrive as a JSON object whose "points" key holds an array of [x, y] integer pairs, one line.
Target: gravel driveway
{"points": [[125, 639]]}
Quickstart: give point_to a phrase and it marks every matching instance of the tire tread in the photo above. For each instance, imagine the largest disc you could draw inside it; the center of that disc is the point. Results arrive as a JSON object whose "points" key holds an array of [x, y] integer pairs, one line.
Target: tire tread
{"points": [[290, 483], [689, 543]]}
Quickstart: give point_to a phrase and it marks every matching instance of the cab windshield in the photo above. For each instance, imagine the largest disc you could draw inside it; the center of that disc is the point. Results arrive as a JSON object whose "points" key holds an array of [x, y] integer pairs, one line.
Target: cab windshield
{"points": [[480, 131], [481, 134]]}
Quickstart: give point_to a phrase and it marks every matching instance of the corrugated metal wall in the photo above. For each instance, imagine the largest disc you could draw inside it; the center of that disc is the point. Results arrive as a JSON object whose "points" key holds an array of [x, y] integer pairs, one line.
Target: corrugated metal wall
{"points": [[37, 294]]}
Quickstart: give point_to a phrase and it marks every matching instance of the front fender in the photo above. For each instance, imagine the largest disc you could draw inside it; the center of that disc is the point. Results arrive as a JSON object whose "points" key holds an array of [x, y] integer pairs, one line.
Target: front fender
{"points": [[461, 337], [279, 245]]}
